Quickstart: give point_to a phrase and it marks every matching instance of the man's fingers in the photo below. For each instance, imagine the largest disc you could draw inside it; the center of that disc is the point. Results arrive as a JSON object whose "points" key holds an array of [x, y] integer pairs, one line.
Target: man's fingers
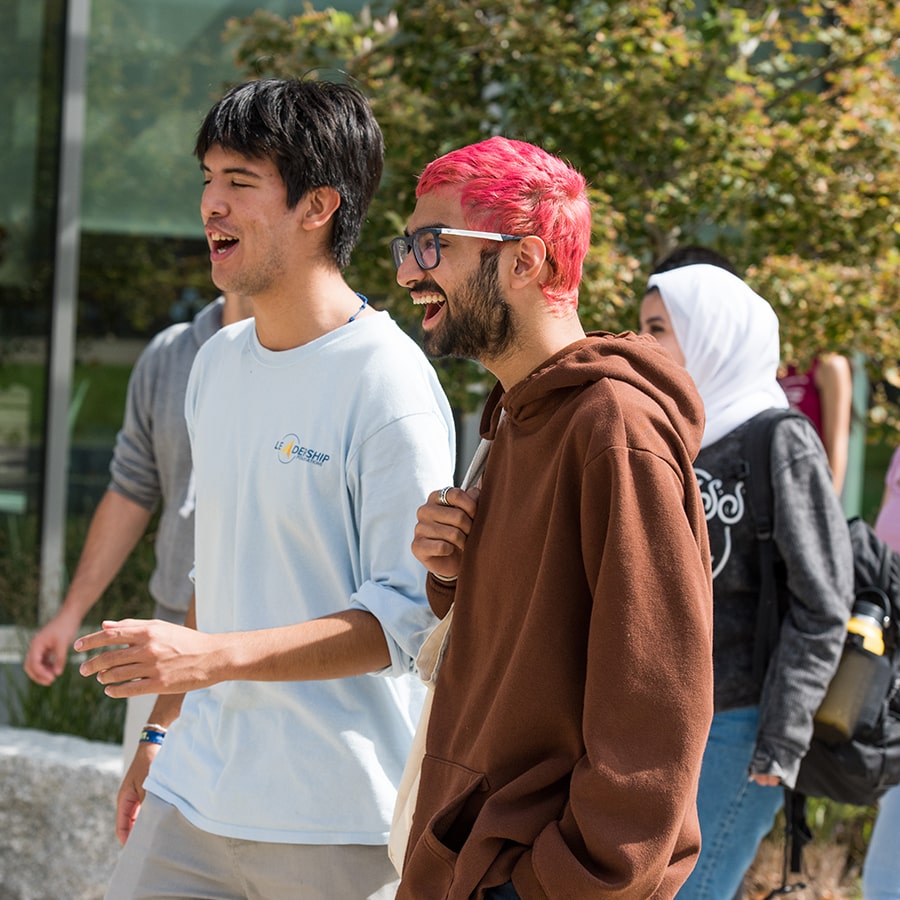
{"points": [[444, 518], [443, 538], [424, 548], [109, 659], [121, 673], [96, 641], [450, 498], [43, 676], [126, 813], [126, 631], [137, 687]]}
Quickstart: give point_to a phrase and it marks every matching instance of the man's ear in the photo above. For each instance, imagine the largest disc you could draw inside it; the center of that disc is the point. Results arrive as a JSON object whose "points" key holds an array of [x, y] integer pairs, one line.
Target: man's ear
{"points": [[319, 205], [530, 259]]}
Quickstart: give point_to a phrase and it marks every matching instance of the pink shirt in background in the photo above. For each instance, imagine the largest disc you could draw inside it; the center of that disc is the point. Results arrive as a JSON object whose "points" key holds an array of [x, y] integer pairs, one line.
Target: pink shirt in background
{"points": [[802, 393], [887, 525]]}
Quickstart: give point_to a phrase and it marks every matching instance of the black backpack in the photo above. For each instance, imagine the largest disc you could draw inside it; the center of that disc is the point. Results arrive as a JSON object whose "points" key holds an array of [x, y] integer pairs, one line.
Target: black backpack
{"points": [[858, 770]]}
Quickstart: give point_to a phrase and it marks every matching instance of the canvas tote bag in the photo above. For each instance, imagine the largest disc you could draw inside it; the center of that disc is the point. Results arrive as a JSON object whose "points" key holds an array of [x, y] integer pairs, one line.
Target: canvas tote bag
{"points": [[428, 663]]}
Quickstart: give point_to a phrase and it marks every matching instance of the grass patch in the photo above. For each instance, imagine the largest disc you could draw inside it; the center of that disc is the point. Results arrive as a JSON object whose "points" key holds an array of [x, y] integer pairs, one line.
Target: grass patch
{"points": [[71, 705]]}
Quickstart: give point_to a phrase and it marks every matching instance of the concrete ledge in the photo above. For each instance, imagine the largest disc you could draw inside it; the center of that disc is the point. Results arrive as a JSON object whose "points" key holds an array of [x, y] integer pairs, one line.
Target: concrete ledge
{"points": [[57, 815]]}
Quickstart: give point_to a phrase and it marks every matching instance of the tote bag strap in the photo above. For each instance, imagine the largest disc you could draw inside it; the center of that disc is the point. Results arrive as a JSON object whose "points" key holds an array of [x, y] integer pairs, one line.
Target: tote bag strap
{"points": [[428, 662]]}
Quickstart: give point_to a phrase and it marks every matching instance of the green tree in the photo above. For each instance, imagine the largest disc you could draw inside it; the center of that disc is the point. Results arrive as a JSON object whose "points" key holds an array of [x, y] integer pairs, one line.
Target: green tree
{"points": [[150, 78], [767, 130]]}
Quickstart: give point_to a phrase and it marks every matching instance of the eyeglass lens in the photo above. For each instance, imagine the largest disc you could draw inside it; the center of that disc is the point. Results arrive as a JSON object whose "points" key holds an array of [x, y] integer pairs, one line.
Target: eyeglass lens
{"points": [[424, 245], [426, 248]]}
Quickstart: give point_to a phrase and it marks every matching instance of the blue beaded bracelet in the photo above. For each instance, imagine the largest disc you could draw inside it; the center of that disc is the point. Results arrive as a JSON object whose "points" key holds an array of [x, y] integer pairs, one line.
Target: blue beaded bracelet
{"points": [[151, 737]]}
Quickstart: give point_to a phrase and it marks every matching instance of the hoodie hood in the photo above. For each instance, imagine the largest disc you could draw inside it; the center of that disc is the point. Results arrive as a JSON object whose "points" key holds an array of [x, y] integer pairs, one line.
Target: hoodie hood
{"points": [[729, 337], [636, 360]]}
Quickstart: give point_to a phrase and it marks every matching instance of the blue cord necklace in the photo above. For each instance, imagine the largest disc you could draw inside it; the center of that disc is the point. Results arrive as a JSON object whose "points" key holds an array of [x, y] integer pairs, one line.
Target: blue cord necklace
{"points": [[365, 303]]}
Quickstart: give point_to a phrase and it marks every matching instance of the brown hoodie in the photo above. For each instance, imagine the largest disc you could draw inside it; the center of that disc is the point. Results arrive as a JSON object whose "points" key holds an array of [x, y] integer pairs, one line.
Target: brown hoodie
{"points": [[573, 704]]}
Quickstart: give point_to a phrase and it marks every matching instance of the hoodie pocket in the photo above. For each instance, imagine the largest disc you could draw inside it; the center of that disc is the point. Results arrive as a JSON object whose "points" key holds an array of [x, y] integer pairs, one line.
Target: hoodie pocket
{"points": [[430, 865]]}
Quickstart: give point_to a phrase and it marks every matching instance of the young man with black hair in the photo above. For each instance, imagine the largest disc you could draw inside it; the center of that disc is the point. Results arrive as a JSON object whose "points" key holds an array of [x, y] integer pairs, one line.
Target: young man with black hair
{"points": [[316, 429]]}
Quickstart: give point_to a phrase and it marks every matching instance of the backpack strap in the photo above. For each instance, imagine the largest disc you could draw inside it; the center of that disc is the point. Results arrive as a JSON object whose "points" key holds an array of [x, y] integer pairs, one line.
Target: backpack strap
{"points": [[884, 576], [758, 453], [797, 835]]}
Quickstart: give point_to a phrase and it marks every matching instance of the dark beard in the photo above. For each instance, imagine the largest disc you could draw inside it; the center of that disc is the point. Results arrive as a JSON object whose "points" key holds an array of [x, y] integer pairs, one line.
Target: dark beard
{"points": [[479, 324]]}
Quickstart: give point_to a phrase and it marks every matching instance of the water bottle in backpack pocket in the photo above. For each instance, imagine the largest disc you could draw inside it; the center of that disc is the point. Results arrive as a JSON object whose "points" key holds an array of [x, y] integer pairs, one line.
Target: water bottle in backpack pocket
{"points": [[860, 767], [854, 700]]}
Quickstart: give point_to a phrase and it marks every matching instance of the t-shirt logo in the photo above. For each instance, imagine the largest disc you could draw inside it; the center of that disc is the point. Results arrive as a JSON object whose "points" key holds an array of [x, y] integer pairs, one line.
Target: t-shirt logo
{"points": [[728, 509], [289, 448]]}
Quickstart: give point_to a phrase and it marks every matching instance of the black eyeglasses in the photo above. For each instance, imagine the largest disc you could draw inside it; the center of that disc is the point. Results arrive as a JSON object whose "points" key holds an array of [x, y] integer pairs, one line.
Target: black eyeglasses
{"points": [[426, 245]]}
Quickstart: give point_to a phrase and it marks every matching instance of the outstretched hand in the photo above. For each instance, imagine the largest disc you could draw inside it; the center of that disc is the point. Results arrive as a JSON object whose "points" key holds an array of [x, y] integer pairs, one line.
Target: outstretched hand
{"points": [[442, 529], [150, 657]]}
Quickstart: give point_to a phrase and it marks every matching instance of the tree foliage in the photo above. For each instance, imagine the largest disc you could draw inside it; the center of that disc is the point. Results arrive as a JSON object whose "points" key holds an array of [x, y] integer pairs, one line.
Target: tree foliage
{"points": [[769, 131]]}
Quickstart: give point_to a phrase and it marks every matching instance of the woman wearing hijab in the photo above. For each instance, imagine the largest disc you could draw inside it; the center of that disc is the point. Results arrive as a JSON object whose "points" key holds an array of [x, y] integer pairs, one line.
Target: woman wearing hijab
{"points": [[726, 336]]}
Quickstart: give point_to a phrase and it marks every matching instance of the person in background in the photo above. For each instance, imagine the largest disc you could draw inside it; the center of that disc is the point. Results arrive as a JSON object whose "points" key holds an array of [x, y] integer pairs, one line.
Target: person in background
{"points": [[287, 706], [575, 693], [824, 393], [691, 255], [881, 868], [726, 336], [150, 469]]}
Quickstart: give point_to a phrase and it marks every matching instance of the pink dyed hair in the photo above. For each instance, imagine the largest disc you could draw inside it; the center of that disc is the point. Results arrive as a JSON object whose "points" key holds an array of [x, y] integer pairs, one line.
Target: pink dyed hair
{"points": [[518, 188]]}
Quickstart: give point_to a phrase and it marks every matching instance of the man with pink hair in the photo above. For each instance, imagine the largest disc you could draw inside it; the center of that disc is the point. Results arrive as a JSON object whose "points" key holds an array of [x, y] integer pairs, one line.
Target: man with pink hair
{"points": [[575, 691]]}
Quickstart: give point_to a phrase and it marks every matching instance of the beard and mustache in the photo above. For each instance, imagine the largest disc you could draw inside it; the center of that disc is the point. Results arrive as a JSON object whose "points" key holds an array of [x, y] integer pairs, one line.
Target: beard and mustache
{"points": [[479, 324]]}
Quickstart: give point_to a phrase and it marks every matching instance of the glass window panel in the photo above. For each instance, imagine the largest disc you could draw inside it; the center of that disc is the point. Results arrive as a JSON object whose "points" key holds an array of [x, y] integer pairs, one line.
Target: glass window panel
{"points": [[154, 70], [30, 79]]}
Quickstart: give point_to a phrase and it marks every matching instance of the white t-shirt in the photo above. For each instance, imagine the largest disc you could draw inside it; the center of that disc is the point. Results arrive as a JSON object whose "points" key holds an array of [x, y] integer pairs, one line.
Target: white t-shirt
{"points": [[310, 465]]}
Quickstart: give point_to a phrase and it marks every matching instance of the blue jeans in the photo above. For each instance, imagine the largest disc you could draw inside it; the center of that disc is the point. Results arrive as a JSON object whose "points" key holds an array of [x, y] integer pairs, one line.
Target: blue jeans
{"points": [[881, 870], [504, 892], [735, 813]]}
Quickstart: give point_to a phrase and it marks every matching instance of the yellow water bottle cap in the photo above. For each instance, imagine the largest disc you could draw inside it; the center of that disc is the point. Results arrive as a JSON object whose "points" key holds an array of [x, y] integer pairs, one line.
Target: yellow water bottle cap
{"points": [[866, 622]]}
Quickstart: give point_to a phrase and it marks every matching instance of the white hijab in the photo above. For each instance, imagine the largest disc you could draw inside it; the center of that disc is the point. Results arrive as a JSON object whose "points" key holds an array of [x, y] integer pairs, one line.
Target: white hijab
{"points": [[729, 337]]}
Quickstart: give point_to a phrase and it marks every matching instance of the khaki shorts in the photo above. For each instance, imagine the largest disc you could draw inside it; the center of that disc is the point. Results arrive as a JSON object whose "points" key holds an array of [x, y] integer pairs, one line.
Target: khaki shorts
{"points": [[167, 857]]}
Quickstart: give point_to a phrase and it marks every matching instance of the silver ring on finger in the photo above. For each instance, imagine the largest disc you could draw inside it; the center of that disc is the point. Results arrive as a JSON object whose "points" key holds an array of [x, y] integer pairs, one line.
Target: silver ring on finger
{"points": [[442, 497]]}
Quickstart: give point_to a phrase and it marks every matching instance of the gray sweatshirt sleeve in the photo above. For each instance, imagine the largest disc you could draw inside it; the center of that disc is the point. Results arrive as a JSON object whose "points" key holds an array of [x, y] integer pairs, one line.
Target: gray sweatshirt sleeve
{"points": [[133, 469], [813, 540]]}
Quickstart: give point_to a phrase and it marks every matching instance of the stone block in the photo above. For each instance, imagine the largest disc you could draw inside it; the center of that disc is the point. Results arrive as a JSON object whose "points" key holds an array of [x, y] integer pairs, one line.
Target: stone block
{"points": [[57, 815]]}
